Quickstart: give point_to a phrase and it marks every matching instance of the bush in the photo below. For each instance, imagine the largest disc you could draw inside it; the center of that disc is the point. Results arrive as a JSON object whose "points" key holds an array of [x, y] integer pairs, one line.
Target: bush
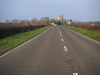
{"points": [[8, 29], [88, 26]]}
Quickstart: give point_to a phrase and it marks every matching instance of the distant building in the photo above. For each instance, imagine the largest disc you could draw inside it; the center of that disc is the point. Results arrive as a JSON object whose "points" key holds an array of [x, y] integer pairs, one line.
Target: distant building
{"points": [[59, 20]]}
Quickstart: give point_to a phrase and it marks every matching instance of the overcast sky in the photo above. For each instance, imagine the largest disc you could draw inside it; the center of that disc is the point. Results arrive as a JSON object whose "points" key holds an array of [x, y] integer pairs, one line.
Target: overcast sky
{"points": [[78, 10]]}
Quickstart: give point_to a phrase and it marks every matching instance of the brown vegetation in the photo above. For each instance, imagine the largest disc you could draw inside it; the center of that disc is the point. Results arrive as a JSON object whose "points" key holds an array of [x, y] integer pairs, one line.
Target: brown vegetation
{"points": [[91, 26], [17, 26]]}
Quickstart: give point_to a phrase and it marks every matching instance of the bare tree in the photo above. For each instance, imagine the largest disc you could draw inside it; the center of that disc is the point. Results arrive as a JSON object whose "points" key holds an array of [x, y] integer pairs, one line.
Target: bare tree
{"points": [[45, 20], [34, 21], [15, 21]]}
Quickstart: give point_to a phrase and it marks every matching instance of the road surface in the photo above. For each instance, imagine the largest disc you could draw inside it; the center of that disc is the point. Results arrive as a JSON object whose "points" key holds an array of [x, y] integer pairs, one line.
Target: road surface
{"points": [[57, 51]]}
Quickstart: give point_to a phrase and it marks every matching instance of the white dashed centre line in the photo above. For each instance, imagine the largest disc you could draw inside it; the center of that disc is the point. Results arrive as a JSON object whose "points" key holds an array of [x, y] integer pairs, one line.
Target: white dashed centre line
{"points": [[60, 34], [65, 49], [62, 40], [75, 73]]}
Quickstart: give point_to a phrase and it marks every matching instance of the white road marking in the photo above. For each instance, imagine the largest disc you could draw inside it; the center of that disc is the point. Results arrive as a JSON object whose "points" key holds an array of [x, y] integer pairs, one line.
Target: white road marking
{"points": [[60, 34], [62, 40], [65, 49], [75, 73]]}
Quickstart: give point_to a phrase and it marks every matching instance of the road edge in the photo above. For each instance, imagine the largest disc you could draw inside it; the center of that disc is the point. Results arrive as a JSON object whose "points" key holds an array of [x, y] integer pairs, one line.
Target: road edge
{"points": [[85, 36], [14, 49]]}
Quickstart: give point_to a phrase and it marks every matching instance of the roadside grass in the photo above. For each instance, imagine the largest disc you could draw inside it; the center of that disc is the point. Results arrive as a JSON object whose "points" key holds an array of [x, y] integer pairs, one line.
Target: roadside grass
{"points": [[91, 34], [11, 42]]}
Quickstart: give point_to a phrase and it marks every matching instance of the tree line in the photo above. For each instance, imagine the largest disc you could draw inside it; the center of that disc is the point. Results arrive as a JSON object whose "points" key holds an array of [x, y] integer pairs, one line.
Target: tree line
{"points": [[19, 26]]}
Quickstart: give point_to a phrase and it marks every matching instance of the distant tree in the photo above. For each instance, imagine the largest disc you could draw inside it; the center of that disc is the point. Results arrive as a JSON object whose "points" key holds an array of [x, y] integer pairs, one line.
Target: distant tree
{"points": [[25, 22], [15, 21], [45, 20], [7, 21], [52, 21], [34, 21]]}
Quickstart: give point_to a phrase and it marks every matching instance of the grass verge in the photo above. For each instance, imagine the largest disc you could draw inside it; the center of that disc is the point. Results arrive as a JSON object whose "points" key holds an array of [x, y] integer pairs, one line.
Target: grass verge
{"points": [[91, 34], [11, 42]]}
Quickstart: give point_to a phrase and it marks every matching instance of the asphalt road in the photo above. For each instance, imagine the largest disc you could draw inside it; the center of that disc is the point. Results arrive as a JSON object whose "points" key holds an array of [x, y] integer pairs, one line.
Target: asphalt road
{"points": [[57, 51]]}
